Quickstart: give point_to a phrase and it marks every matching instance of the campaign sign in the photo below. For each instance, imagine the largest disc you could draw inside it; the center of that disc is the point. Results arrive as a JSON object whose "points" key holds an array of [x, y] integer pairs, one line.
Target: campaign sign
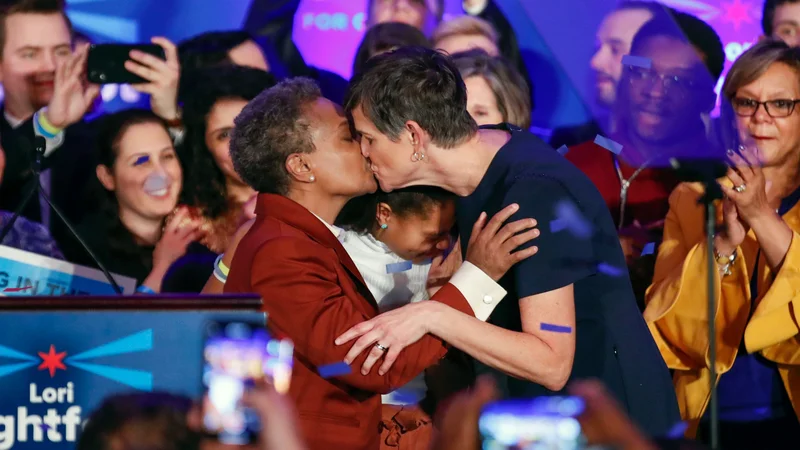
{"points": [[56, 367], [24, 274]]}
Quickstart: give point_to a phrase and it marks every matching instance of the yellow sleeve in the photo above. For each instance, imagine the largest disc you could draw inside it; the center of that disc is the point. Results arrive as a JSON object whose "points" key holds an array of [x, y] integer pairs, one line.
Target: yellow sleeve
{"points": [[774, 326], [677, 306]]}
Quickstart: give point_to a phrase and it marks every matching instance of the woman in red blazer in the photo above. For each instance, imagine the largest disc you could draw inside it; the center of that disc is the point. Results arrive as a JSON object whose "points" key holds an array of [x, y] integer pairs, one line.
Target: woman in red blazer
{"points": [[297, 150]]}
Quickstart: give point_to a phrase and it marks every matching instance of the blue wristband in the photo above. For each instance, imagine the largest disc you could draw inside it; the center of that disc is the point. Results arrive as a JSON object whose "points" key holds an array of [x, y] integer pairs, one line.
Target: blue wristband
{"points": [[145, 290]]}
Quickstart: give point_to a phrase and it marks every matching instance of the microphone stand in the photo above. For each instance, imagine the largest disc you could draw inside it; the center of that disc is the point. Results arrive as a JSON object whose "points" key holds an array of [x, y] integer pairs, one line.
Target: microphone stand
{"points": [[712, 193], [36, 188], [707, 171]]}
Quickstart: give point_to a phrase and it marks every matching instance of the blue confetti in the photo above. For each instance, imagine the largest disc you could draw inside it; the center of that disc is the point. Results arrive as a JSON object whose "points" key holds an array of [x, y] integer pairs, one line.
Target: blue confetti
{"points": [[637, 61], [398, 267], [608, 144], [556, 328], [141, 160], [678, 430], [609, 270], [334, 370], [557, 225], [573, 220], [649, 248], [562, 150]]}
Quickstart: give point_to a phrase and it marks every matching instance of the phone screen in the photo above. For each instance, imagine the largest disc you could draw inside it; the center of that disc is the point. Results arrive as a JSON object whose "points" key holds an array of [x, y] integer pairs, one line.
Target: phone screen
{"points": [[235, 356], [542, 423]]}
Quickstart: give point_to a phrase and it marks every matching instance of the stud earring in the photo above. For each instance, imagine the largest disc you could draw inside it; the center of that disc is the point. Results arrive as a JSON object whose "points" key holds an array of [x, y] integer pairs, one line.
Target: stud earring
{"points": [[311, 178], [384, 226]]}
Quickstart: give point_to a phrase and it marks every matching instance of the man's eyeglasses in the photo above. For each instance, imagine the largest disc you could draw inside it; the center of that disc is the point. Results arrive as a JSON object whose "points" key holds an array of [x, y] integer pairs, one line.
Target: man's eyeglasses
{"points": [[776, 109], [639, 75]]}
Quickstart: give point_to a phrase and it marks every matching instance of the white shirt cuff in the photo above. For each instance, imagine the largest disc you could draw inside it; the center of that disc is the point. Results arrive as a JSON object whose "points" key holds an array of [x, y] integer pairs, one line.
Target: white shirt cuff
{"points": [[477, 9], [482, 293]]}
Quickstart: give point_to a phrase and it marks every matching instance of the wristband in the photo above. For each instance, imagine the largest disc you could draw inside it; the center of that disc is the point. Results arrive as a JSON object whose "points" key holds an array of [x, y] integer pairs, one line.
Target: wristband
{"points": [[145, 290], [220, 270], [43, 126]]}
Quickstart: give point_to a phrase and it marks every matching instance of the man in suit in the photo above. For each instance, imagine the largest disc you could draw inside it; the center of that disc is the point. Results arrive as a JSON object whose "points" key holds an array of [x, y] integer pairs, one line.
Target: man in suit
{"points": [[297, 150], [44, 94]]}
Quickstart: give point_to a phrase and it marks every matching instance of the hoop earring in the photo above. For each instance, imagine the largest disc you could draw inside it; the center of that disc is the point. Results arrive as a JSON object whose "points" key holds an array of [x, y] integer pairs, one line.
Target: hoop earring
{"points": [[417, 156]]}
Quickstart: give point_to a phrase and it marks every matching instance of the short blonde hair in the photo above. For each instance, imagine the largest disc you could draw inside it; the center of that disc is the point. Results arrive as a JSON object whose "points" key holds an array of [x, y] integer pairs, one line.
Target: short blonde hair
{"points": [[508, 85], [465, 26]]}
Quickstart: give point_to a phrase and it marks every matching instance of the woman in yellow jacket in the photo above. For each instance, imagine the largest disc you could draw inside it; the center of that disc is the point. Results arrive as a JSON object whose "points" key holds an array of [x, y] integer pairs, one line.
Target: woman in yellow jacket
{"points": [[758, 279]]}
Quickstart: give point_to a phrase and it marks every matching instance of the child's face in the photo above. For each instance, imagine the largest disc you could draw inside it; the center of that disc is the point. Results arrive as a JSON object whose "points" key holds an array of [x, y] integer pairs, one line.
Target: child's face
{"points": [[419, 237]]}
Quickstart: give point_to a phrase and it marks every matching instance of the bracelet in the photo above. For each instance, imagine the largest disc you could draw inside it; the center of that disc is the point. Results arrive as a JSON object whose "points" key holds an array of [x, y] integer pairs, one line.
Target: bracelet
{"points": [[221, 270], [145, 290], [43, 126]]}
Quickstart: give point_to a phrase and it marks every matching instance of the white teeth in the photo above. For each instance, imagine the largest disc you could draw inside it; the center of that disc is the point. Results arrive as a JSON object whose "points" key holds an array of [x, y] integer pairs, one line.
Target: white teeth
{"points": [[158, 193]]}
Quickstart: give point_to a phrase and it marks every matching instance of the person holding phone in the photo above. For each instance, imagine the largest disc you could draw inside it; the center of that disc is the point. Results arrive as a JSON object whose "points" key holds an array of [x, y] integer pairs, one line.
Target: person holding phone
{"points": [[571, 313], [296, 149]]}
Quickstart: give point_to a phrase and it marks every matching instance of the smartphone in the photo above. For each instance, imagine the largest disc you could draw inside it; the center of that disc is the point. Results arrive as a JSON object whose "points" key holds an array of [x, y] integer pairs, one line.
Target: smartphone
{"points": [[542, 423], [236, 355], [106, 62]]}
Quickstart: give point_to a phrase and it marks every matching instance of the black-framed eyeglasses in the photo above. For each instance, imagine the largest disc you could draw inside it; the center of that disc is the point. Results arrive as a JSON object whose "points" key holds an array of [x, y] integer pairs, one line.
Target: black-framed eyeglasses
{"points": [[778, 108], [639, 75]]}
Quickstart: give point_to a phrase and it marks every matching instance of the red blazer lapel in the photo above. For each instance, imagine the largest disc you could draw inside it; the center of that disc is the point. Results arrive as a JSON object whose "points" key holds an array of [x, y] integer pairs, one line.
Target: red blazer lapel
{"points": [[297, 216]]}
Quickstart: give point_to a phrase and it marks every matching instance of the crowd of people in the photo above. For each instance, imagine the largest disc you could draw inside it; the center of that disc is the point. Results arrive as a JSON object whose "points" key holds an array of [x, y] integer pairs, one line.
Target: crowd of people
{"points": [[407, 223]]}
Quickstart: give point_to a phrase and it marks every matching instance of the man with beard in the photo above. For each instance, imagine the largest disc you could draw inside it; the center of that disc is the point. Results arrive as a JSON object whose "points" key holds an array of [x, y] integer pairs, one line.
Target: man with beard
{"points": [[613, 42], [663, 100]]}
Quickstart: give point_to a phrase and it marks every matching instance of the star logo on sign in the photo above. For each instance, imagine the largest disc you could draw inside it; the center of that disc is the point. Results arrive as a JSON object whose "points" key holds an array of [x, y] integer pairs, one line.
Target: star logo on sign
{"points": [[52, 361], [737, 13]]}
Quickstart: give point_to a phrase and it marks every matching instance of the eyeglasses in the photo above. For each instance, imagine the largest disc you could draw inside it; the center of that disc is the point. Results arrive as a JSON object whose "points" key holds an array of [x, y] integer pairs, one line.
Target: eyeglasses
{"points": [[640, 75], [776, 109]]}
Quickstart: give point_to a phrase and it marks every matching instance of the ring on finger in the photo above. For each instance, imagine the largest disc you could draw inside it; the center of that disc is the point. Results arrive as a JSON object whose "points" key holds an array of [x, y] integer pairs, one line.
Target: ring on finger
{"points": [[381, 347], [740, 188]]}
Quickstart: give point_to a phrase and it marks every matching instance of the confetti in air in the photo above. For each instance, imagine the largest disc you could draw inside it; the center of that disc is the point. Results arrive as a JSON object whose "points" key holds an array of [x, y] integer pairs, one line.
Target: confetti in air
{"points": [[562, 150], [637, 61], [334, 370], [572, 219], [555, 328], [141, 160], [608, 269], [398, 267], [649, 249], [608, 144]]}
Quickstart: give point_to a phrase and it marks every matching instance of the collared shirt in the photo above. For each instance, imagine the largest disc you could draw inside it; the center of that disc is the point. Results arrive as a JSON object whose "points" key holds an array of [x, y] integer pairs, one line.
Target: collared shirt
{"points": [[44, 177]]}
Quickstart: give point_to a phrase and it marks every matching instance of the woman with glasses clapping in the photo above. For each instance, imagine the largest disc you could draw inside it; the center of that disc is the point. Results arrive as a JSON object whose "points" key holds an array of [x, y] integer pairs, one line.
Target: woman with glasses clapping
{"points": [[757, 250]]}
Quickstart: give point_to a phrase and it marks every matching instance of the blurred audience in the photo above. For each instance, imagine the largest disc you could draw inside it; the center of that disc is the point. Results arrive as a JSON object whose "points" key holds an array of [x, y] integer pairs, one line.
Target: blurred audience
{"points": [[465, 33], [780, 19], [614, 39], [757, 250], [385, 37], [153, 421], [496, 92], [43, 96], [211, 185], [660, 112], [139, 182]]}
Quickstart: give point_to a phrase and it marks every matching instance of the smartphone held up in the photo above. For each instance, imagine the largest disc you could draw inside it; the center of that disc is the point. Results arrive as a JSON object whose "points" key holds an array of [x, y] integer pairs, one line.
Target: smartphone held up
{"points": [[237, 356], [106, 62]]}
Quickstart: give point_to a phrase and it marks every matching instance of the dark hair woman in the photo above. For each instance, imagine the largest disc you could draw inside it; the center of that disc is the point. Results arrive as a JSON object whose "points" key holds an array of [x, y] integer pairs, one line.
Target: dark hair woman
{"points": [[139, 179]]}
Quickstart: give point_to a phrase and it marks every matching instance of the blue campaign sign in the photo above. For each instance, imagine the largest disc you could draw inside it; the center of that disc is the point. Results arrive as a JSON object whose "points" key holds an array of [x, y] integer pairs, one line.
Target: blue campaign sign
{"points": [[25, 274], [56, 367]]}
